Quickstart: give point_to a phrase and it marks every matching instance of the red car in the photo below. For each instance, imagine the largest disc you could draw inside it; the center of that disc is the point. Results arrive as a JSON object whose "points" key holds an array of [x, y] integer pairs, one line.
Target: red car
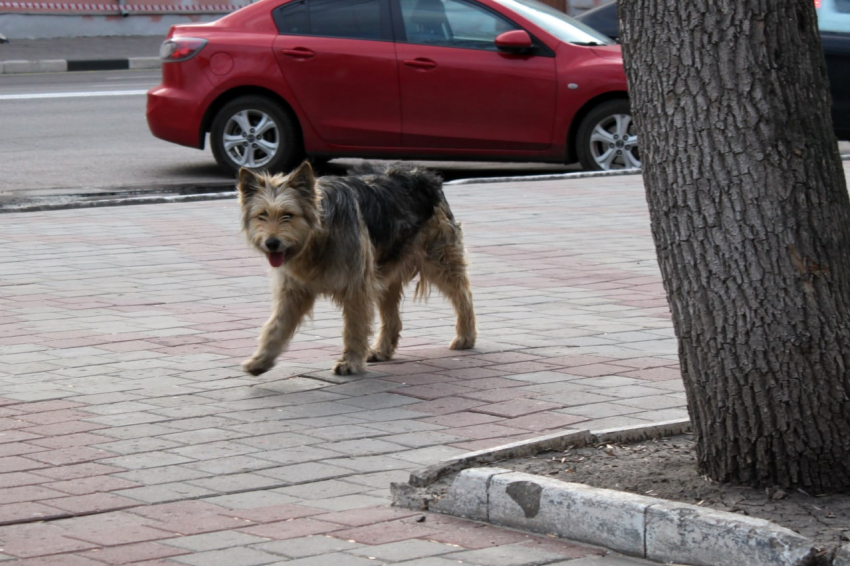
{"points": [[507, 80]]}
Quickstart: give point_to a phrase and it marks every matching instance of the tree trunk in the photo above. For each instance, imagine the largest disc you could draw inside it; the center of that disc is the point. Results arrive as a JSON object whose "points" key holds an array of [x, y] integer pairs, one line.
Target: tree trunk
{"points": [[751, 221]]}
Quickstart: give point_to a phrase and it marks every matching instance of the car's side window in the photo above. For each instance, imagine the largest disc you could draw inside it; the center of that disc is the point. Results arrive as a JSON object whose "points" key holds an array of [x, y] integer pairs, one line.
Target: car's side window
{"points": [[452, 23], [351, 19]]}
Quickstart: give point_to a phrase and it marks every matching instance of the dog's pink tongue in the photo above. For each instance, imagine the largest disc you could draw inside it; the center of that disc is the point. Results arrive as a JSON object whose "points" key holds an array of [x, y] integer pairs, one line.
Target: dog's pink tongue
{"points": [[276, 259]]}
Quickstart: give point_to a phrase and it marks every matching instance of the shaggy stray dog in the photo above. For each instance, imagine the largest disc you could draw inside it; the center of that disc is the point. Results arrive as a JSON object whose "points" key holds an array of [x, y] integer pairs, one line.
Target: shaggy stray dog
{"points": [[359, 240]]}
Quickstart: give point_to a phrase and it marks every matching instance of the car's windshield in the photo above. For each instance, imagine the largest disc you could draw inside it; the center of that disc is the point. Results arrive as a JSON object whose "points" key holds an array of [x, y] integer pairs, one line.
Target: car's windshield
{"points": [[833, 15], [556, 22]]}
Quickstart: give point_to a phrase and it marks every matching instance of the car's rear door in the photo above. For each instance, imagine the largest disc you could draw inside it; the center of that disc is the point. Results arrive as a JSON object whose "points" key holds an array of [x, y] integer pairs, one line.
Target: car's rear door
{"points": [[458, 91], [338, 59]]}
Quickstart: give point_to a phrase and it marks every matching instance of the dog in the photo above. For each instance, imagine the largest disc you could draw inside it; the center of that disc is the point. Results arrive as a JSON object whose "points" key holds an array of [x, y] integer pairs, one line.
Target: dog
{"points": [[359, 240]]}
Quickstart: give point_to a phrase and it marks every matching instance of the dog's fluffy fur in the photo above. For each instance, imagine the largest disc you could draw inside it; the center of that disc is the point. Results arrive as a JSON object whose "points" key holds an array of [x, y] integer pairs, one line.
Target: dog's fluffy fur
{"points": [[359, 240]]}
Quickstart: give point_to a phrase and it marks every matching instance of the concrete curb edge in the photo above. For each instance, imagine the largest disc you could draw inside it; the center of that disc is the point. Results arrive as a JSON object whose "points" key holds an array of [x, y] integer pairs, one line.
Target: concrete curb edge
{"points": [[636, 525], [71, 65]]}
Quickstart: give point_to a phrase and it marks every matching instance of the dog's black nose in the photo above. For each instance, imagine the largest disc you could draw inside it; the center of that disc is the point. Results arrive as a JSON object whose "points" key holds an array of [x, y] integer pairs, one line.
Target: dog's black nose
{"points": [[273, 244]]}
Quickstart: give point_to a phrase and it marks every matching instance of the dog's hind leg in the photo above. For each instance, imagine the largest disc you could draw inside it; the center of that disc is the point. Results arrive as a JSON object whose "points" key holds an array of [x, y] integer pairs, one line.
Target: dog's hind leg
{"points": [[388, 305], [358, 310], [290, 307], [444, 266]]}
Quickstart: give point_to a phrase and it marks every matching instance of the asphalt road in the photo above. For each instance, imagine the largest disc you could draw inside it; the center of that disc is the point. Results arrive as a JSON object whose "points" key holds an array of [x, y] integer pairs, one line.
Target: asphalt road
{"points": [[87, 131], [68, 133]]}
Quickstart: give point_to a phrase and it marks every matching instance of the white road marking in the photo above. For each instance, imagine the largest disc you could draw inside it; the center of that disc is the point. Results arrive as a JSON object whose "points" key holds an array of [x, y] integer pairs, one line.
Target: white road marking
{"points": [[34, 96]]}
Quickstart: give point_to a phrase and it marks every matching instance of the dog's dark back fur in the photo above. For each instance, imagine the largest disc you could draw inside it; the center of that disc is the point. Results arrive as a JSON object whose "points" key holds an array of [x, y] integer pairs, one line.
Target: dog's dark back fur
{"points": [[395, 202]]}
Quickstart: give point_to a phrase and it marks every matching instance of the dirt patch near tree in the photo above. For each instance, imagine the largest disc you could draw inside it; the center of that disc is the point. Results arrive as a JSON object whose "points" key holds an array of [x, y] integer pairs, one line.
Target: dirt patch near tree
{"points": [[666, 469]]}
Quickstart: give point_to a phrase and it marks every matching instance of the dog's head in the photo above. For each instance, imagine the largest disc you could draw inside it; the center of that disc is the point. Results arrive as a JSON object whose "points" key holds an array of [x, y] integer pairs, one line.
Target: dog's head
{"points": [[279, 212]]}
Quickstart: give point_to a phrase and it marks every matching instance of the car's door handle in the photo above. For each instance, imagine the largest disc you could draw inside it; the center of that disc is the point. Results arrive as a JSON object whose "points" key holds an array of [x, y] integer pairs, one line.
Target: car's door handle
{"points": [[299, 52], [420, 63]]}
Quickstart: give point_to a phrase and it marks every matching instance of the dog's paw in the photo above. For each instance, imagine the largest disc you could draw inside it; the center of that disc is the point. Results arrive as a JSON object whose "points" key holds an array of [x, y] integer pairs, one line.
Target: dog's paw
{"points": [[378, 356], [256, 366], [462, 343], [346, 367]]}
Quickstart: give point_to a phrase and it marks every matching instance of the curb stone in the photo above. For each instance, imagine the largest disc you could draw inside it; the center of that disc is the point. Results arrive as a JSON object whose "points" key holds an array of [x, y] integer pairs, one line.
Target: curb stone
{"points": [[636, 525], [70, 65]]}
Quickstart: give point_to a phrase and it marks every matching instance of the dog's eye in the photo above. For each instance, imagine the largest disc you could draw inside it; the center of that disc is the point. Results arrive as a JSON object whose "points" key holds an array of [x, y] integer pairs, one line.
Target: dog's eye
{"points": [[263, 217], [286, 217]]}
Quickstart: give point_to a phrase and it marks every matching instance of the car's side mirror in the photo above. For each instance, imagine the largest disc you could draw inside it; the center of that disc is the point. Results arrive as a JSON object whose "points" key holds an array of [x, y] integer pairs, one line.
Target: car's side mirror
{"points": [[514, 41]]}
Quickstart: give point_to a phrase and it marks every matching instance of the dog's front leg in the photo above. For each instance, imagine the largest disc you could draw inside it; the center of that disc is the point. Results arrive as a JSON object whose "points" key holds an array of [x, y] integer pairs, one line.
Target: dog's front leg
{"points": [[358, 310], [290, 307]]}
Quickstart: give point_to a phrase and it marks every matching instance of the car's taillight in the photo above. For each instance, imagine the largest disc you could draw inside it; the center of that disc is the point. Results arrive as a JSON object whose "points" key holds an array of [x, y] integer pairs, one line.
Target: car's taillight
{"points": [[180, 48]]}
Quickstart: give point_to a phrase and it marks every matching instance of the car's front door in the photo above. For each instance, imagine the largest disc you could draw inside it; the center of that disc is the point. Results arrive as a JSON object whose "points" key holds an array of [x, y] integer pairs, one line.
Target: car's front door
{"points": [[458, 91], [338, 58]]}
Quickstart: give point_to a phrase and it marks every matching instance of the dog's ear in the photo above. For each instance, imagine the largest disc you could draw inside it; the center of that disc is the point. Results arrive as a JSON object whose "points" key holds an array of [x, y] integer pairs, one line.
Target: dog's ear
{"points": [[248, 183], [303, 182]]}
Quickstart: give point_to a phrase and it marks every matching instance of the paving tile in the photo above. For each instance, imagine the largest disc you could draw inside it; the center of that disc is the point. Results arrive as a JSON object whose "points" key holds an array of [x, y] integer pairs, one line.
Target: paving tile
{"points": [[146, 460], [28, 511], [252, 500], [24, 541], [292, 528], [275, 513], [28, 493], [311, 471], [386, 532], [15, 479], [322, 489], [404, 550], [188, 517], [430, 561], [345, 502], [435, 391], [163, 474], [228, 557], [131, 553], [66, 560], [229, 465], [367, 515], [461, 419], [360, 447], [18, 464], [313, 545], [507, 555], [469, 534], [165, 492], [445, 405], [516, 408], [336, 558], [214, 541]]}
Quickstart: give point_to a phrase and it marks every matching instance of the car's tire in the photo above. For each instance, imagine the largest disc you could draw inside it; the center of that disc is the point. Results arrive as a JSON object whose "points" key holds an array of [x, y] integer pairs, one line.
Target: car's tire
{"points": [[606, 138], [255, 132]]}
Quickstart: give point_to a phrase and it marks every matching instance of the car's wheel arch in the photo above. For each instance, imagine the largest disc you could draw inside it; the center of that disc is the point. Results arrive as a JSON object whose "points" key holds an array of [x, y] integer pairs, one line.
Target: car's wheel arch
{"points": [[216, 105], [579, 117]]}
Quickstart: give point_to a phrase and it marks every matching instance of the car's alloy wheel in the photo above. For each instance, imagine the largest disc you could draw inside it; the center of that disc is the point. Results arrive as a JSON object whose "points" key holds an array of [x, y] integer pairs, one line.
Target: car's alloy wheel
{"points": [[254, 132], [607, 138]]}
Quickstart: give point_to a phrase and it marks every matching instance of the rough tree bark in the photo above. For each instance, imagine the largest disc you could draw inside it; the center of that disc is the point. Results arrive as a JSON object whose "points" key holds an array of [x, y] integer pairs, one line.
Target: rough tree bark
{"points": [[751, 221]]}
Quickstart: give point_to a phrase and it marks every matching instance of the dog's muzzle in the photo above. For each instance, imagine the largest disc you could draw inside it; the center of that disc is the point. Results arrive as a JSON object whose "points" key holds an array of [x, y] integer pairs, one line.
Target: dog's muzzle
{"points": [[276, 254]]}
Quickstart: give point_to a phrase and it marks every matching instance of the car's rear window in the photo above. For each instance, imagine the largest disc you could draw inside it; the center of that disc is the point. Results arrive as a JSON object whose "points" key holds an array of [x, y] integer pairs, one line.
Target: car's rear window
{"points": [[352, 19]]}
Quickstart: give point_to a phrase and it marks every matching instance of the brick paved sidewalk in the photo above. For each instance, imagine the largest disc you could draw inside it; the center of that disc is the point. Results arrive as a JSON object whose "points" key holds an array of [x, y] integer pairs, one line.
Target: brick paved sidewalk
{"points": [[128, 434]]}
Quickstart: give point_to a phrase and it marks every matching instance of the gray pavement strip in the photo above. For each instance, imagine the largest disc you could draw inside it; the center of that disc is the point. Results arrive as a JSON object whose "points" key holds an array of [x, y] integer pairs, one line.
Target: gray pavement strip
{"points": [[635, 525], [219, 191]]}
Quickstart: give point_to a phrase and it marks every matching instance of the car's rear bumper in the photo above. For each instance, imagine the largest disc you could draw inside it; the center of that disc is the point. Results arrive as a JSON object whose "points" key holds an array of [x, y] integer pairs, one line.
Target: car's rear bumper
{"points": [[174, 116]]}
